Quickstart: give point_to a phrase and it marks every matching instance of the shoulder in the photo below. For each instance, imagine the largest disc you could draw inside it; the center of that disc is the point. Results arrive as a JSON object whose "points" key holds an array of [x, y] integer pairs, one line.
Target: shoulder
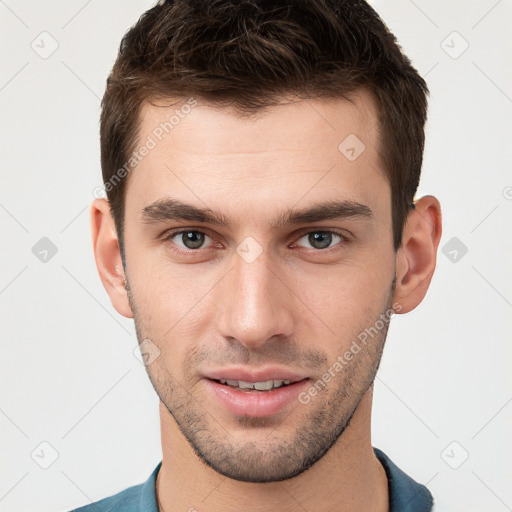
{"points": [[137, 498], [126, 501]]}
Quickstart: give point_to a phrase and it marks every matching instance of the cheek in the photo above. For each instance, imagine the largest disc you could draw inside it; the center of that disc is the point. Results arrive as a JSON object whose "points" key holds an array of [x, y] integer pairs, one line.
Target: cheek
{"points": [[160, 286], [350, 299], [174, 308]]}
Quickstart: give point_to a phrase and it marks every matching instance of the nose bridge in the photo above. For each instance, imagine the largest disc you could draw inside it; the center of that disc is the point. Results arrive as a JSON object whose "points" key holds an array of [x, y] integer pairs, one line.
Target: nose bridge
{"points": [[256, 304]]}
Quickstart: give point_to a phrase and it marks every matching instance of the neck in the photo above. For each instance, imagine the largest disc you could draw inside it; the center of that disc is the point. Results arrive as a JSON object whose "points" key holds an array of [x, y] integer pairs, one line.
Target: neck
{"points": [[349, 477]]}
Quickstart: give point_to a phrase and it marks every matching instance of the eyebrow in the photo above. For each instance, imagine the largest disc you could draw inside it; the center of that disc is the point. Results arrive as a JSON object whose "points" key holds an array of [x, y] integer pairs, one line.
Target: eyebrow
{"points": [[169, 209]]}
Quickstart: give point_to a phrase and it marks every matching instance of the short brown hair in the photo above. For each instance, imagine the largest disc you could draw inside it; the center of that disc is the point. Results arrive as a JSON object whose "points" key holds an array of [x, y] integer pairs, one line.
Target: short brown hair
{"points": [[248, 53]]}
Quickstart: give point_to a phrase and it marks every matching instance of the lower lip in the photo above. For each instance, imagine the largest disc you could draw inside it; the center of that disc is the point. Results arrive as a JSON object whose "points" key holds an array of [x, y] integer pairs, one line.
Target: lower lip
{"points": [[255, 404]]}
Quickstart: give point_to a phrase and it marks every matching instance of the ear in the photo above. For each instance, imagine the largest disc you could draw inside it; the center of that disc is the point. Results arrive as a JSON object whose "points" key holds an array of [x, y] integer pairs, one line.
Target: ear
{"points": [[108, 256], [416, 258]]}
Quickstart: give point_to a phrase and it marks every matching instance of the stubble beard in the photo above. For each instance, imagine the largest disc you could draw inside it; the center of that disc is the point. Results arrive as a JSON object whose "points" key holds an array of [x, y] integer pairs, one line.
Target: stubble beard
{"points": [[321, 424]]}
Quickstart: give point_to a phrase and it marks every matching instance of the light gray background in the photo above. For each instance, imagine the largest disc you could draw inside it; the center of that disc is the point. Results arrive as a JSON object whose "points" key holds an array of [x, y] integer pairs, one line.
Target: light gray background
{"points": [[68, 372]]}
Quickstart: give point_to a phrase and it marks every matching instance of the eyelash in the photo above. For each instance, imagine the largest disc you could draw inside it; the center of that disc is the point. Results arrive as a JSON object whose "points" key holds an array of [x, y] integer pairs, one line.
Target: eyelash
{"points": [[169, 235]]}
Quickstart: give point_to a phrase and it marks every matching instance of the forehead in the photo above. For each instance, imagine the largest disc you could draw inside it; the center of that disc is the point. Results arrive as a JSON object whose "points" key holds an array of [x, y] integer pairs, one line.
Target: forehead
{"points": [[308, 150]]}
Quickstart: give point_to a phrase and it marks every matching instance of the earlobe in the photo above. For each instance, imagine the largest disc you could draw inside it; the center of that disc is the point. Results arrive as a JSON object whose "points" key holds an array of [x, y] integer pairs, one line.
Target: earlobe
{"points": [[108, 256], [416, 258]]}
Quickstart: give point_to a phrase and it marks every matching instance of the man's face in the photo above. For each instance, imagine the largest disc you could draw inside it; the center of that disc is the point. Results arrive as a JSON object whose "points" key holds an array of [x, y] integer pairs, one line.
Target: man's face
{"points": [[255, 299]]}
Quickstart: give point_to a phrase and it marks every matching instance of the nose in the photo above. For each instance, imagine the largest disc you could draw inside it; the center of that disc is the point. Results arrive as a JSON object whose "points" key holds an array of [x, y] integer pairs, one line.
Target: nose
{"points": [[255, 303]]}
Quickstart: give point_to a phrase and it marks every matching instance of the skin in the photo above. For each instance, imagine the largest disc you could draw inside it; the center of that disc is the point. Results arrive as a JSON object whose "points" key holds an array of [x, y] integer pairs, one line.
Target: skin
{"points": [[296, 305]]}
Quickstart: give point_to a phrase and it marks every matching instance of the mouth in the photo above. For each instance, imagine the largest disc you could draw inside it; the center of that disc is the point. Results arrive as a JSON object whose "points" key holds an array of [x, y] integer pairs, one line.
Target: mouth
{"points": [[267, 385], [253, 395]]}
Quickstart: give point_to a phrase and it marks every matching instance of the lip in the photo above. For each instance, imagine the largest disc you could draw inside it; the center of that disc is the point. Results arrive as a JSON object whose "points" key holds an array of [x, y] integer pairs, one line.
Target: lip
{"points": [[252, 403]]}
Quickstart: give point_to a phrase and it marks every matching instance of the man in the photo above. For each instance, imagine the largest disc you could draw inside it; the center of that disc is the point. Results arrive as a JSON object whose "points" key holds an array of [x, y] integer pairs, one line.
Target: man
{"points": [[260, 160]]}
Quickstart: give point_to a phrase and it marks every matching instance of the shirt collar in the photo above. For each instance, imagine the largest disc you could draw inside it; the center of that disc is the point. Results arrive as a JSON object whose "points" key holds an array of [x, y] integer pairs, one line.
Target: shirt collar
{"points": [[405, 494]]}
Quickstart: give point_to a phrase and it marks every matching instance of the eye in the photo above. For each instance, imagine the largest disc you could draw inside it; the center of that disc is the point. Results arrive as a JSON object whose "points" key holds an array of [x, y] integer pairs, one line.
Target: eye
{"points": [[187, 239], [190, 240], [322, 239]]}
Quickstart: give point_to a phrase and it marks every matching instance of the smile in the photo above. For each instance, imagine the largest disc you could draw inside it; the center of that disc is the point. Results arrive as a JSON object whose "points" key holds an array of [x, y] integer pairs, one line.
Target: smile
{"points": [[266, 385], [255, 399]]}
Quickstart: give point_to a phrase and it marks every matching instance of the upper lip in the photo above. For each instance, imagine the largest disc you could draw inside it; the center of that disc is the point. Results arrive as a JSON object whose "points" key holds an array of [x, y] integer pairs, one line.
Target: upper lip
{"points": [[255, 375]]}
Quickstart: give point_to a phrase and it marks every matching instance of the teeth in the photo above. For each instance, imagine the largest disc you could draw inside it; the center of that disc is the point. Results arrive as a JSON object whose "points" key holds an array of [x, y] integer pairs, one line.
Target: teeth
{"points": [[259, 386], [264, 386]]}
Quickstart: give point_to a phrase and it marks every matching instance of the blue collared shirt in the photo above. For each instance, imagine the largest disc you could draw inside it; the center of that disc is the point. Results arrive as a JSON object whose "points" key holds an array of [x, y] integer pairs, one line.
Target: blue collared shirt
{"points": [[405, 494]]}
